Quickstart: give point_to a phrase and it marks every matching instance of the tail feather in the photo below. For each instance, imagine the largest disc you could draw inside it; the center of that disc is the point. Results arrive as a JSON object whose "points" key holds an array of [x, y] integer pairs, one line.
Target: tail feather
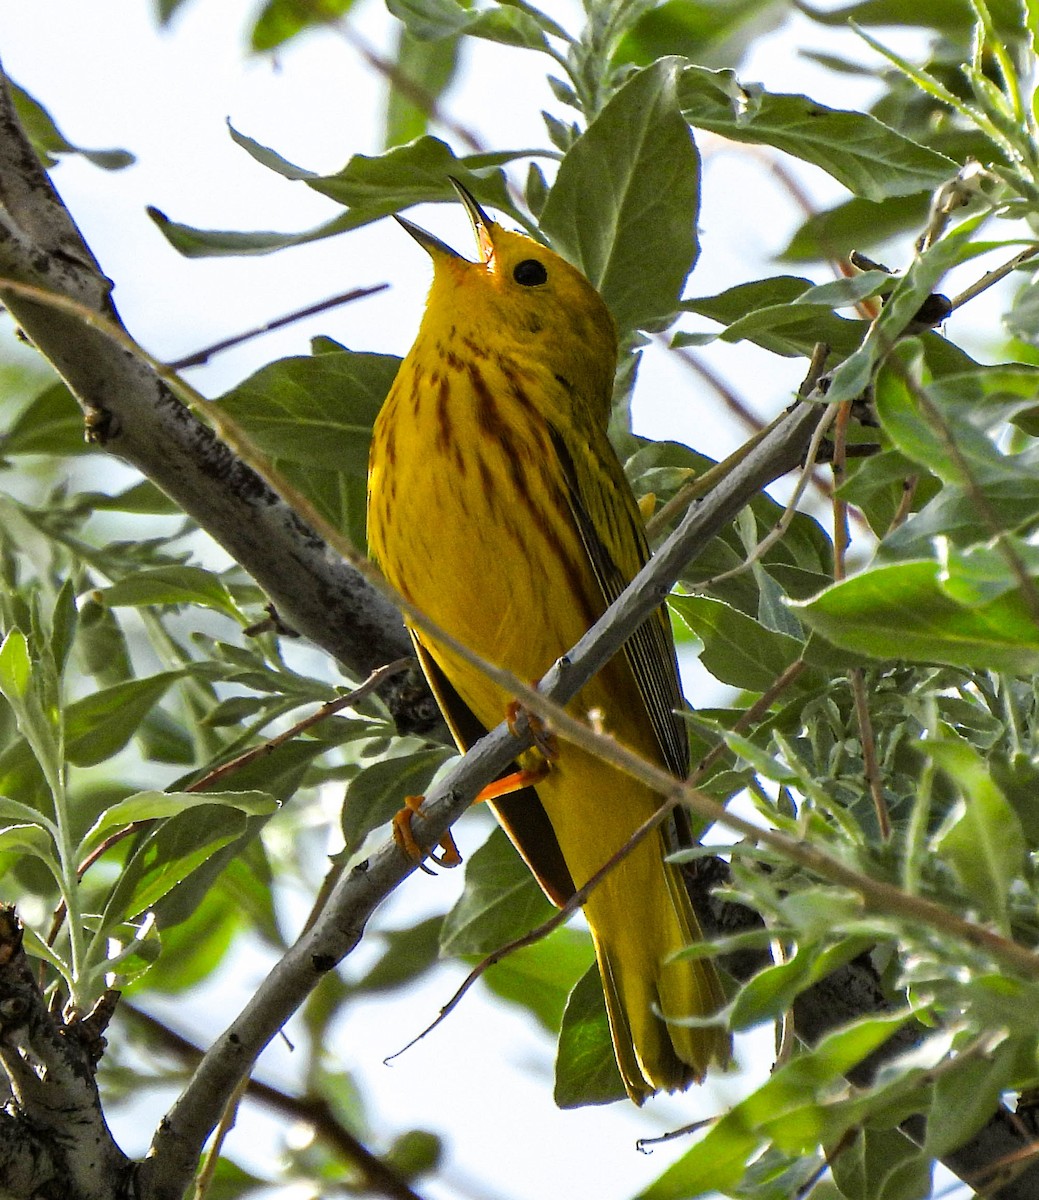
{"points": [[643, 988]]}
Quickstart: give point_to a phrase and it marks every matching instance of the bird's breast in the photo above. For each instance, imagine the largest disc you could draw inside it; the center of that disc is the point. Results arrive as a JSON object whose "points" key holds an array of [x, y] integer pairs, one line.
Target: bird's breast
{"points": [[468, 510]]}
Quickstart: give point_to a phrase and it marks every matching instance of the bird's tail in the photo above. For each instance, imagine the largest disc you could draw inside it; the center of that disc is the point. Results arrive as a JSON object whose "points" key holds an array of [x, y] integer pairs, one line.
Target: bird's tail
{"points": [[639, 916]]}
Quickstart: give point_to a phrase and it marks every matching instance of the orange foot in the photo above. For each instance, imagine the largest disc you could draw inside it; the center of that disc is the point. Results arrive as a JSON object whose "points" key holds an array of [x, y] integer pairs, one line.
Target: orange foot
{"points": [[543, 739], [404, 836], [546, 752], [515, 781]]}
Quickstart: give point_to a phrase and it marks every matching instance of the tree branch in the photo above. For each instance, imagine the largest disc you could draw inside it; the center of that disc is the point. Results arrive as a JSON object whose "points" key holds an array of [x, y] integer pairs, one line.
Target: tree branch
{"points": [[53, 1139], [134, 414], [376, 1177]]}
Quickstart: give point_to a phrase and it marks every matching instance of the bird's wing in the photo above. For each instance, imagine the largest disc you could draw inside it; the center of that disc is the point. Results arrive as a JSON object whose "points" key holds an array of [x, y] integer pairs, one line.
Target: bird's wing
{"points": [[608, 519], [520, 813]]}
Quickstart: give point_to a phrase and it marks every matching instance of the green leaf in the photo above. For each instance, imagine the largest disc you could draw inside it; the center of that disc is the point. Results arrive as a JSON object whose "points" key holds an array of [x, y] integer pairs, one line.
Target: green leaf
{"points": [[883, 1164], [625, 202], [966, 1097], [856, 224], [586, 1069], [950, 16], [437, 19], [132, 950], [166, 9], [193, 949], [719, 1159], [428, 67], [541, 977], [868, 157], [165, 856], [414, 1153], [777, 315], [407, 953], [64, 623], [985, 845], [509, 26], [374, 187], [709, 32], [314, 412], [772, 991], [15, 666], [501, 901], [876, 486], [29, 839], [281, 20], [370, 187], [141, 498], [429, 19], [48, 141], [100, 725], [173, 585], [984, 573], [24, 683], [901, 612], [378, 792], [51, 423], [153, 806], [15, 812], [737, 649], [242, 873], [910, 291], [945, 424]]}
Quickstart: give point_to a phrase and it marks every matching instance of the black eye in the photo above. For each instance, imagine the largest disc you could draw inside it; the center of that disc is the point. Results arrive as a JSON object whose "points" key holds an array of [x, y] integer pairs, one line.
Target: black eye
{"points": [[529, 273]]}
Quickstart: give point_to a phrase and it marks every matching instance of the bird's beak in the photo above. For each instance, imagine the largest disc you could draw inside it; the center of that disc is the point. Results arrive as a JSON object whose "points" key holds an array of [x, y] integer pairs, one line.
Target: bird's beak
{"points": [[481, 227], [431, 244], [482, 223]]}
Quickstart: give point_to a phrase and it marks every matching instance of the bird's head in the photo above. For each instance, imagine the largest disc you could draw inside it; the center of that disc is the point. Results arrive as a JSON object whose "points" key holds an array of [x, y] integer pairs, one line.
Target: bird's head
{"points": [[523, 300]]}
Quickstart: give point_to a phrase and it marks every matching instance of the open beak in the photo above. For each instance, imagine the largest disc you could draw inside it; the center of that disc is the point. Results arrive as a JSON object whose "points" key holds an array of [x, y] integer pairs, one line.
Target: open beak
{"points": [[429, 243], [480, 221]]}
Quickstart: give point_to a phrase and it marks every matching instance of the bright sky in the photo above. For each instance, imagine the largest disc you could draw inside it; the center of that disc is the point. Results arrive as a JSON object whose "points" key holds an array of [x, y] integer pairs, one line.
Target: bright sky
{"points": [[110, 78]]}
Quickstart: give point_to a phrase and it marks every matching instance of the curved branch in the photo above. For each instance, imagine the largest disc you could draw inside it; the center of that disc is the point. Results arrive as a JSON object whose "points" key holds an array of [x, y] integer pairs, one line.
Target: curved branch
{"points": [[134, 414]]}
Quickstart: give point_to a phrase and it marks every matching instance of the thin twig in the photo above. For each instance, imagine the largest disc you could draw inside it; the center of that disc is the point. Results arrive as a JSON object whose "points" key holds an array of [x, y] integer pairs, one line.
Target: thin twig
{"points": [[841, 533], [856, 678], [905, 503], [868, 742], [207, 1171], [203, 356], [776, 533], [993, 277], [693, 489], [328, 709]]}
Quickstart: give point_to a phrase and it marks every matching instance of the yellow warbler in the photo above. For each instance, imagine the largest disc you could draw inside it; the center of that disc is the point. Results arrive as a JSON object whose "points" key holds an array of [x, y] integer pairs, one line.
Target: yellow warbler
{"points": [[497, 505]]}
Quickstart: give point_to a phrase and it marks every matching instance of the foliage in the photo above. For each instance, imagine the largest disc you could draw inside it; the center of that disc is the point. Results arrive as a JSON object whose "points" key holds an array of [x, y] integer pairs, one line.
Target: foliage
{"points": [[126, 660]]}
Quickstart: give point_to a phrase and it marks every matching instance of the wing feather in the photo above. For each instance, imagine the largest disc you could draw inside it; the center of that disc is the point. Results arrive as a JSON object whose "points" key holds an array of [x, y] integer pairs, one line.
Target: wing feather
{"points": [[520, 813], [608, 519]]}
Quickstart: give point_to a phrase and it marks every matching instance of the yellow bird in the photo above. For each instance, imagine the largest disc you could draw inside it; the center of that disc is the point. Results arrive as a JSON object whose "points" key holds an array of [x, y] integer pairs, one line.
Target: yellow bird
{"points": [[498, 507]]}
